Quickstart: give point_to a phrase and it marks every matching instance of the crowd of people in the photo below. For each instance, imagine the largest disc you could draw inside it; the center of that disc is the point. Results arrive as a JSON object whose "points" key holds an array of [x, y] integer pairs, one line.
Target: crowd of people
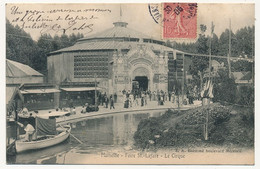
{"points": [[141, 98], [134, 98]]}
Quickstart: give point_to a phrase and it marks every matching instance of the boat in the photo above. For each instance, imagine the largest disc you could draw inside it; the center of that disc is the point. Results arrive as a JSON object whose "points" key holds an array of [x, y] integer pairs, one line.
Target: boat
{"points": [[47, 133]]}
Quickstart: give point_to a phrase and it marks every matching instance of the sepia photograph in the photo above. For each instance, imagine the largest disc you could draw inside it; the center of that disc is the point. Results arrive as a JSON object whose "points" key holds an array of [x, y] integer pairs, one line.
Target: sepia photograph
{"points": [[130, 83]]}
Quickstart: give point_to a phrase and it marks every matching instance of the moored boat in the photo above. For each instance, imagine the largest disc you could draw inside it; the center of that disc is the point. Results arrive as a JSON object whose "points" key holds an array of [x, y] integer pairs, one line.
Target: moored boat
{"points": [[43, 142], [46, 133]]}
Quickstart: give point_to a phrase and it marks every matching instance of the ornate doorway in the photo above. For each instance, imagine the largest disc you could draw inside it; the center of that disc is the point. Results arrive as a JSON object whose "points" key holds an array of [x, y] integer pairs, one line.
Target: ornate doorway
{"points": [[140, 83], [141, 78]]}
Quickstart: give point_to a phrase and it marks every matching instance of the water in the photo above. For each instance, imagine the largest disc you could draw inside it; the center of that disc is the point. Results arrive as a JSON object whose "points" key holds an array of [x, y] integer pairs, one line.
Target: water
{"points": [[99, 135]]}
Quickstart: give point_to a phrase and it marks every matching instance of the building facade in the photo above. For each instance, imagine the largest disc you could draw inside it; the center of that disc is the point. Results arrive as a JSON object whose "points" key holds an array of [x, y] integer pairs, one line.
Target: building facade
{"points": [[25, 87], [116, 59]]}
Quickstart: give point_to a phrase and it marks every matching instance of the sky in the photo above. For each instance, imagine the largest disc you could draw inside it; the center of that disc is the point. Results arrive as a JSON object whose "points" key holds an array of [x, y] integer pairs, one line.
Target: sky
{"points": [[137, 16]]}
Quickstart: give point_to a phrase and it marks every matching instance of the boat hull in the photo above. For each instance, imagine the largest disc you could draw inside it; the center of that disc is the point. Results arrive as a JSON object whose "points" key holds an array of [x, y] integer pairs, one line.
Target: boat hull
{"points": [[22, 146]]}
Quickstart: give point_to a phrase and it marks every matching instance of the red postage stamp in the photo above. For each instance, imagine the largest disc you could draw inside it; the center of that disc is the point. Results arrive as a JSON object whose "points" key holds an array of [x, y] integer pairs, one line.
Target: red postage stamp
{"points": [[179, 20]]}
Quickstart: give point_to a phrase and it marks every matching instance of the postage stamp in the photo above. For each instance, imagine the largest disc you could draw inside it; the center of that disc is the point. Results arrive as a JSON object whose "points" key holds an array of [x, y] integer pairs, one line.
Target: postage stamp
{"points": [[179, 20]]}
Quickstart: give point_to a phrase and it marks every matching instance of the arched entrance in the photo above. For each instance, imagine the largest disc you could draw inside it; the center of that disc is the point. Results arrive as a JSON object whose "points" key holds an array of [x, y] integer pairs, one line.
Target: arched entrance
{"points": [[140, 79], [140, 82]]}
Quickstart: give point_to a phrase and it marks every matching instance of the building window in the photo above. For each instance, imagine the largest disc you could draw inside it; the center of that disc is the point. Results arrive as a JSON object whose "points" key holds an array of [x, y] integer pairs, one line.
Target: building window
{"points": [[90, 64]]}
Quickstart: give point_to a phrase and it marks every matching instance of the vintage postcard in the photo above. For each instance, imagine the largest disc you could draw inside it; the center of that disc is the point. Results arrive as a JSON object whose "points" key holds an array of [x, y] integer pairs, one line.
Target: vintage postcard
{"points": [[151, 83]]}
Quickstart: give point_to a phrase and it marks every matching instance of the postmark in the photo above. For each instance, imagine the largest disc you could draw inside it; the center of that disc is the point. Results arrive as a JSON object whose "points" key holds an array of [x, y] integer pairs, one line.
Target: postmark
{"points": [[155, 12], [179, 20]]}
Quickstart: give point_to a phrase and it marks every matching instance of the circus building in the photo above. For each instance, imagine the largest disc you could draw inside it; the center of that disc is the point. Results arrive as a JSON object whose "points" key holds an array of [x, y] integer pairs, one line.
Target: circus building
{"points": [[117, 59]]}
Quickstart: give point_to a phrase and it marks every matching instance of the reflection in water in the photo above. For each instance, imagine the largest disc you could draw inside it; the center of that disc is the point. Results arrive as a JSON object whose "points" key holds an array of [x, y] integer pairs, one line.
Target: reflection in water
{"points": [[97, 134]]}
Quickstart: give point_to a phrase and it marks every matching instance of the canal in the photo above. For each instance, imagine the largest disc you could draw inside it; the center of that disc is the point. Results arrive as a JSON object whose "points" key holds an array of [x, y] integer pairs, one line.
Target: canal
{"points": [[104, 136]]}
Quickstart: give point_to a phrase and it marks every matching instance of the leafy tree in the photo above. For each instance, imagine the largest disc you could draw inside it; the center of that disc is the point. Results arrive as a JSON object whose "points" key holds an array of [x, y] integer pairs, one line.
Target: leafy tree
{"points": [[20, 46], [245, 37], [202, 42], [44, 45], [64, 41], [241, 66], [224, 44], [199, 63], [73, 38], [215, 45], [224, 88]]}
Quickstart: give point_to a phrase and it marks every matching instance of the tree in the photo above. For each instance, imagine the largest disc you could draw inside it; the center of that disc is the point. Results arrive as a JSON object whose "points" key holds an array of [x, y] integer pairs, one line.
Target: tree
{"points": [[224, 44], [224, 88], [199, 63], [73, 38], [245, 38], [20, 46], [202, 42], [45, 46], [214, 45]]}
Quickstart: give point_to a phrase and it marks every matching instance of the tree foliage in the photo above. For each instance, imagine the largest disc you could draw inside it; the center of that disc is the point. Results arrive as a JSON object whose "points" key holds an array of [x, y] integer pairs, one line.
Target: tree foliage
{"points": [[22, 48], [225, 88], [19, 45]]}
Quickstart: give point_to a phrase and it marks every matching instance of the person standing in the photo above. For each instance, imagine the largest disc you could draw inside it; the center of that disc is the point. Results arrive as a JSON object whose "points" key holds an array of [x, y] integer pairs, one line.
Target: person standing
{"points": [[158, 98], [112, 103], [145, 98], [115, 97], [102, 99], [165, 96], [173, 97], [170, 95], [142, 101], [106, 101], [131, 99]]}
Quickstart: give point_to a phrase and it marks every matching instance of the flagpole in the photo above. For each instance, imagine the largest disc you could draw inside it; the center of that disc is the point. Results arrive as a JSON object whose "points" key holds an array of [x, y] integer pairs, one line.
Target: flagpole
{"points": [[209, 83], [229, 50], [120, 13], [210, 59]]}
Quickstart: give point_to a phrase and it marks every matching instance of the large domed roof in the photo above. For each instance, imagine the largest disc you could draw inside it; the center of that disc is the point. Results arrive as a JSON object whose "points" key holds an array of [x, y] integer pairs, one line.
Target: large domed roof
{"points": [[119, 31], [117, 37]]}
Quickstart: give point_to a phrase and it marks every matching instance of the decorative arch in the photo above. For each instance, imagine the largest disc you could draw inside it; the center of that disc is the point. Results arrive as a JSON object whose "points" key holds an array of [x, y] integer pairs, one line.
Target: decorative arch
{"points": [[142, 69]]}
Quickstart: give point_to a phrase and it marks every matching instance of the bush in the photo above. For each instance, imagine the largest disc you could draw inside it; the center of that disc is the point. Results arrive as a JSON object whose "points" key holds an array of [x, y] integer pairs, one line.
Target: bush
{"points": [[168, 138], [146, 131], [168, 114], [219, 114], [240, 134], [218, 134], [225, 89], [246, 96], [248, 117], [186, 128], [195, 117]]}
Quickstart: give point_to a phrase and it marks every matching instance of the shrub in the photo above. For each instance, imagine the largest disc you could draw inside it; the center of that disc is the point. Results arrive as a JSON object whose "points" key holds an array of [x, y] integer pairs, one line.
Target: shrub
{"points": [[218, 134], [248, 117], [146, 131], [246, 96], [219, 114], [168, 138], [186, 128], [225, 88]]}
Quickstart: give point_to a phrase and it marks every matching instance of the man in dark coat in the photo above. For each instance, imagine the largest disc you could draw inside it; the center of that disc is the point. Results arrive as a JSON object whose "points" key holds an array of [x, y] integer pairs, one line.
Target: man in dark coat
{"points": [[115, 97], [112, 103]]}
